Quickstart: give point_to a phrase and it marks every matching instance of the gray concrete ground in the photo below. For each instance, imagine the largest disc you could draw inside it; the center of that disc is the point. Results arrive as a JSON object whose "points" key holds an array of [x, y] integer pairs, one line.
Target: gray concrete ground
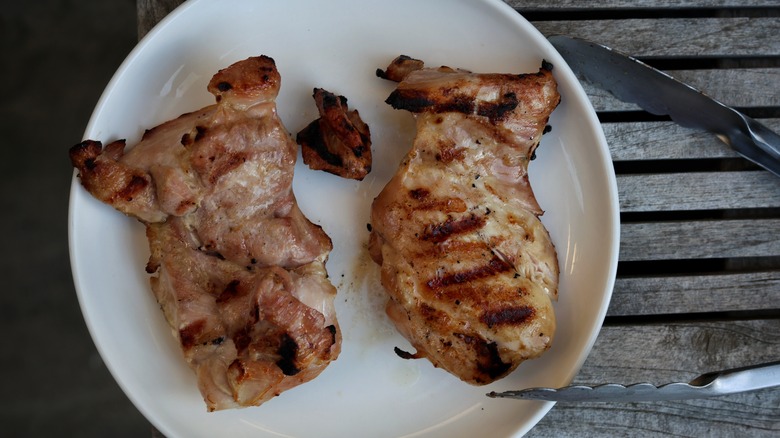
{"points": [[57, 56]]}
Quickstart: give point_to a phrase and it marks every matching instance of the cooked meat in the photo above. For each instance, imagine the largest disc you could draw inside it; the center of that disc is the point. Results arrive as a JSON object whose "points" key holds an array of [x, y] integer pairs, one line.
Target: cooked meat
{"points": [[399, 68], [338, 142], [238, 270], [469, 268]]}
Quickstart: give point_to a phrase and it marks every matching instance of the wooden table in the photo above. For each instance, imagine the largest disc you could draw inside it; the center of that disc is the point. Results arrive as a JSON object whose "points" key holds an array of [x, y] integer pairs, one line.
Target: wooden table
{"points": [[698, 284]]}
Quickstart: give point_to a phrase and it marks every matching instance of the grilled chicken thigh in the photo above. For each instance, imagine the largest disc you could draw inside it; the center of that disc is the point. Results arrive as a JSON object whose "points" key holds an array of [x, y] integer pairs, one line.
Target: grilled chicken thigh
{"points": [[238, 270], [469, 268]]}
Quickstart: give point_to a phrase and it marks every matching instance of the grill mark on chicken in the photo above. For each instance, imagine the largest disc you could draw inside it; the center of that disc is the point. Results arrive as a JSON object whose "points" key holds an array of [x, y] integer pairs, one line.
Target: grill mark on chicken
{"points": [[423, 201], [190, 334], [493, 267], [507, 315], [442, 231], [418, 101], [225, 164], [133, 187], [419, 194]]}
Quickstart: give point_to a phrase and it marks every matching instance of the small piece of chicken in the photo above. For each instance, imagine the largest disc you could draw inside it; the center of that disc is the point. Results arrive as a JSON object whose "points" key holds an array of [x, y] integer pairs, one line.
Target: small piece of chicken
{"points": [[238, 270], [400, 68], [469, 268], [338, 142]]}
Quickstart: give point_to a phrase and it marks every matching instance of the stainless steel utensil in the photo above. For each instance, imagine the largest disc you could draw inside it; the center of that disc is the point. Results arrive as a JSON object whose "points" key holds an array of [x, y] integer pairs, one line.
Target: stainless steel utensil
{"points": [[706, 385], [633, 81]]}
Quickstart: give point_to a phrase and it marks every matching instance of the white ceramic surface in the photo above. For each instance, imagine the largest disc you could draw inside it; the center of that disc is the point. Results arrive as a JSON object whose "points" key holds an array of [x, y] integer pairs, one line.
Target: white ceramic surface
{"points": [[338, 45]]}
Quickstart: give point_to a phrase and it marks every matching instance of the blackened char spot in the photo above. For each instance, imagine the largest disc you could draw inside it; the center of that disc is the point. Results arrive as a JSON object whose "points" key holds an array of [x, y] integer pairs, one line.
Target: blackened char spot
{"points": [[418, 101], [230, 292], [90, 164], [404, 354], [332, 329], [488, 361], [329, 100], [419, 194], [410, 100], [200, 131], [312, 136], [288, 350], [498, 110]]}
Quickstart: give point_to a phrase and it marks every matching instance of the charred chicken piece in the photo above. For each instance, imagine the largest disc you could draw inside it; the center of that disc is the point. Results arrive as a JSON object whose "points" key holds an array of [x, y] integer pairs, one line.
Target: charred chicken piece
{"points": [[237, 269], [338, 142], [469, 268]]}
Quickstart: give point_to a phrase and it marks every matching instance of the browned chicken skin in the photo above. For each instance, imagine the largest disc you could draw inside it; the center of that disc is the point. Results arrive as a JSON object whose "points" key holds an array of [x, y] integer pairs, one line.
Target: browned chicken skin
{"points": [[470, 270], [237, 269]]}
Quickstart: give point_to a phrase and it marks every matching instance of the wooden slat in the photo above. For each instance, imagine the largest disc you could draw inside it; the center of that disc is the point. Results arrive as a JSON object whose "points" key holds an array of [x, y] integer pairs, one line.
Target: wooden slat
{"points": [[737, 87], [698, 191], [634, 4], [150, 12], [663, 140], [666, 353], [676, 294], [649, 37], [666, 140], [699, 239]]}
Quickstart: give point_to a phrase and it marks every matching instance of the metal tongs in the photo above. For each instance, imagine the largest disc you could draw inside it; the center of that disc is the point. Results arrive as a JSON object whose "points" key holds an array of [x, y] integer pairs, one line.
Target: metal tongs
{"points": [[706, 385]]}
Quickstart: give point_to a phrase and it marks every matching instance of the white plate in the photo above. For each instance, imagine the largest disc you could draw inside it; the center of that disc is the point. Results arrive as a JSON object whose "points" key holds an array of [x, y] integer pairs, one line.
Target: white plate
{"points": [[338, 45]]}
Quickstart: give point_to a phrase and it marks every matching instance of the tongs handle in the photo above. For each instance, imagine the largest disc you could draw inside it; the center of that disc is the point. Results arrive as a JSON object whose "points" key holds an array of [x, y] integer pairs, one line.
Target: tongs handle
{"points": [[742, 379]]}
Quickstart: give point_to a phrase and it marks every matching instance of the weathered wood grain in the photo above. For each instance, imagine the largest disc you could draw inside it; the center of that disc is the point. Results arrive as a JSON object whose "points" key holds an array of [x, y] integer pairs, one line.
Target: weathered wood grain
{"points": [[698, 191], [734, 87], [150, 12], [676, 37], [662, 353], [632, 141], [703, 239], [675, 294]]}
